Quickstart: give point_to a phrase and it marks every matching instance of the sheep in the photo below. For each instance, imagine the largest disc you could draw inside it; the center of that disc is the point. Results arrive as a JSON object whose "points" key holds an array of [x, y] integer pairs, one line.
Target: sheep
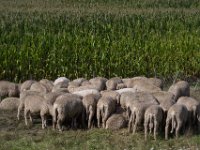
{"points": [[115, 122], [86, 92], [22, 99], [130, 82], [39, 87], [105, 107], [79, 81], [65, 90], [157, 82], [193, 107], [99, 83], [85, 83], [113, 94], [120, 86], [47, 83], [181, 88], [177, 117], [153, 118], [26, 85], [67, 106], [112, 83], [166, 99], [140, 102], [72, 86], [9, 103], [120, 91], [90, 104], [61, 80], [8, 89], [34, 104]]}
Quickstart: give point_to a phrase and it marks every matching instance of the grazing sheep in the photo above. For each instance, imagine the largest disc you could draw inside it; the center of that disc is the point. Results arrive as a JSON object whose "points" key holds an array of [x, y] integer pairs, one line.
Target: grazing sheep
{"points": [[99, 83], [166, 99], [120, 86], [105, 107], [113, 94], [120, 91], [112, 83], [8, 89], [26, 85], [90, 105], [181, 88], [140, 102], [193, 107], [115, 122], [61, 80], [39, 87], [9, 103], [85, 83], [157, 82], [153, 119], [86, 92], [22, 99], [34, 104], [177, 117], [48, 84], [79, 81], [73, 86], [67, 106], [65, 90], [130, 82]]}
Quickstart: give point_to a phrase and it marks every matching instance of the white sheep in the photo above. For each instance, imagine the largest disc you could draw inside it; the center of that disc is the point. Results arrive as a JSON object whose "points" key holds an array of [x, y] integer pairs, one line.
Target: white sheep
{"points": [[116, 122], [67, 106], [9, 103], [177, 118], [153, 118], [105, 107], [181, 88]]}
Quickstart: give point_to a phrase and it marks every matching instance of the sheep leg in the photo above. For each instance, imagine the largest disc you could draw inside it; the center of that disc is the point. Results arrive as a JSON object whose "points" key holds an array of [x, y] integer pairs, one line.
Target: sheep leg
{"points": [[19, 110], [91, 114], [155, 129], [180, 123], [145, 129], [25, 116], [30, 117], [98, 117], [130, 123], [105, 118], [167, 129], [136, 122]]}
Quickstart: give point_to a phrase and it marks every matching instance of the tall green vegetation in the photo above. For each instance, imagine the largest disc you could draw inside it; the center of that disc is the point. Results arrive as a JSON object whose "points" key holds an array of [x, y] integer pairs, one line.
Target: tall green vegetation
{"points": [[46, 39]]}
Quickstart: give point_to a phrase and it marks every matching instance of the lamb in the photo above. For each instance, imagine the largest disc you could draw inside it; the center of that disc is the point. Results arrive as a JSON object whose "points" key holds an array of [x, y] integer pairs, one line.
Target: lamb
{"points": [[99, 83], [140, 102], [47, 83], [105, 107], [115, 122], [90, 105], [113, 94], [67, 106], [181, 88], [177, 117], [153, 119], [112, 83], [39, 87], [26, 85], [9, 103], [22, 99], [193, 107], [8, 89], [34, 104]]}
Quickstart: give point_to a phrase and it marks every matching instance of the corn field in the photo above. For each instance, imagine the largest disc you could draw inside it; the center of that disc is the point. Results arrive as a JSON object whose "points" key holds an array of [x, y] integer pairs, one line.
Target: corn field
{"points": [[46, 39]]}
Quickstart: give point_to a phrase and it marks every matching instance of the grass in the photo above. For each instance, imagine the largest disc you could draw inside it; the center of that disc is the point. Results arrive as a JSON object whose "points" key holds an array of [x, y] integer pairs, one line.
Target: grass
{"points": [[15, 135]]}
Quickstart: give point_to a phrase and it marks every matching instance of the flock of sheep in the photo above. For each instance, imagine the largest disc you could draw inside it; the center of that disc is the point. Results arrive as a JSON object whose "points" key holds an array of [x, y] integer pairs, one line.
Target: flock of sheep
{"points": [[139, 103]]}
